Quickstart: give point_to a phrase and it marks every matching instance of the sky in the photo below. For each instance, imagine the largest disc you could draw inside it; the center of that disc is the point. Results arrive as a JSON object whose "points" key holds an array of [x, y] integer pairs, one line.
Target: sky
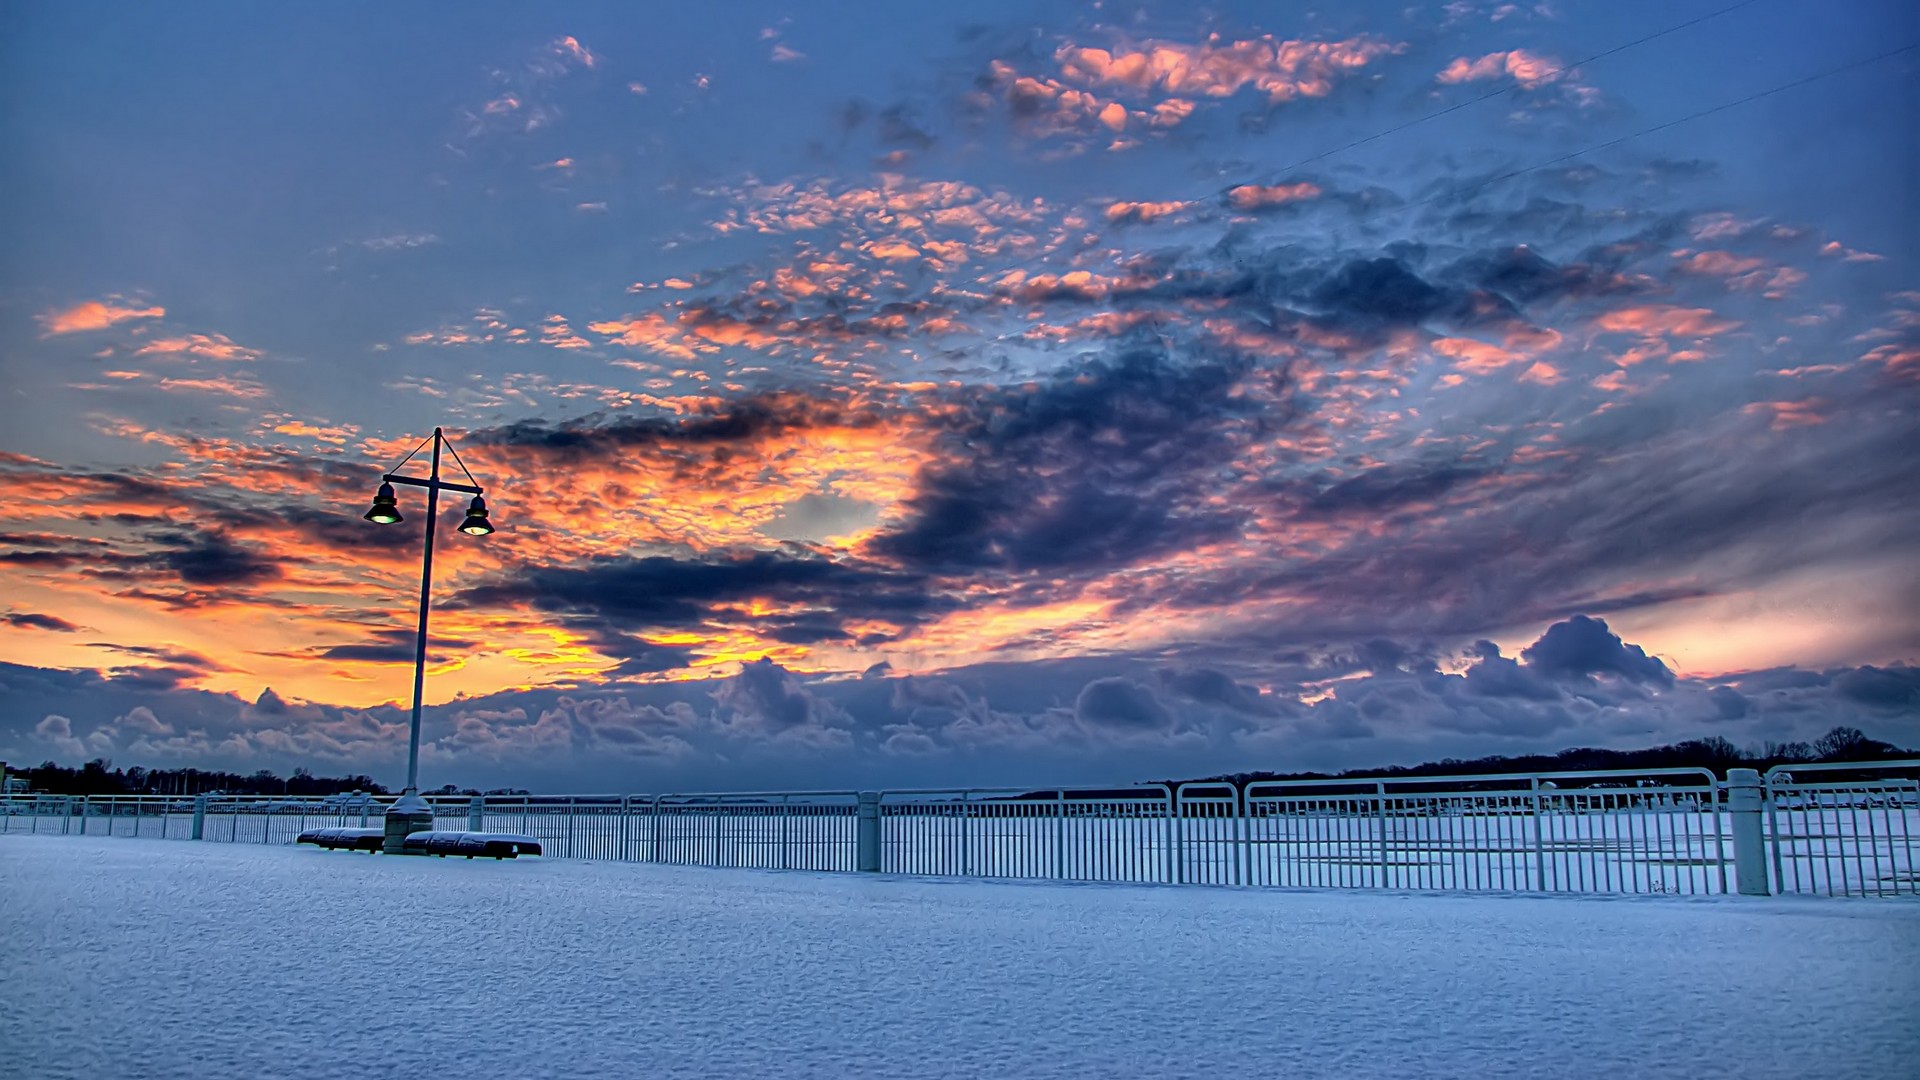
{"points": [[1018, 393]]}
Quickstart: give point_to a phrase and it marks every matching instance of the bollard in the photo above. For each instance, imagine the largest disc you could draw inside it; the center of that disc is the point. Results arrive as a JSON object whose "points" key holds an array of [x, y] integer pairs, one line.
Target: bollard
{"points": [[1746, 796], [409, 814], [199, 817], [477, 814], [869, 833]]}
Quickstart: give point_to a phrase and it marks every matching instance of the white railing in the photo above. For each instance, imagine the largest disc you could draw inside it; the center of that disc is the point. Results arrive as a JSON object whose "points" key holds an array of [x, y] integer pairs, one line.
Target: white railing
{"points": [[1845, 829], [1832, 829]]}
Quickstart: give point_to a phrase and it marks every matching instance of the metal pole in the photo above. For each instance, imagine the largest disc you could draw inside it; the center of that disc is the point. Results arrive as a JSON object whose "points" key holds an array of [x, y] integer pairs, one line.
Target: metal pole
{"points": [[420, 652]]}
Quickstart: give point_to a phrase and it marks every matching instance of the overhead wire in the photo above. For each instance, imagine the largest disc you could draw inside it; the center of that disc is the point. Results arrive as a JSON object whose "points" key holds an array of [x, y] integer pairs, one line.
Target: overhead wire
{"points": [[1503, 91], [1469, 189]]}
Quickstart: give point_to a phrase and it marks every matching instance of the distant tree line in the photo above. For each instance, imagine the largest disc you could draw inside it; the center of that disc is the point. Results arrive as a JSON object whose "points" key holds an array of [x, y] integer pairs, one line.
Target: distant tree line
{"points": [[1716, 754], [99, 777]]}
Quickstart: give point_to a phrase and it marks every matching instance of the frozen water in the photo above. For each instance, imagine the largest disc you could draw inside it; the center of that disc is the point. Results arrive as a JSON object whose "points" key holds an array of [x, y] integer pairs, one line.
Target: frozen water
{"points": [[129, 959]]}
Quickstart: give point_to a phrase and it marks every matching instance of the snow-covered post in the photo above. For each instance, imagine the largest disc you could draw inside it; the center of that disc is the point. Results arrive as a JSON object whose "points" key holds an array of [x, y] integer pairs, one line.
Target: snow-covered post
{"points": [[477, 814], [85, 805], [868, 833], [1745, 797], [409, 814], [199, 817]]}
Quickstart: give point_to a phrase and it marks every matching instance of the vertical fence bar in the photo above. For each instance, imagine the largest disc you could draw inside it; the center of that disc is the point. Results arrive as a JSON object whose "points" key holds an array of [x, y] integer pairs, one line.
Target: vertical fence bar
{"points": [[1539, 845], [966, 835], [1380, 817], [1059, 834]]}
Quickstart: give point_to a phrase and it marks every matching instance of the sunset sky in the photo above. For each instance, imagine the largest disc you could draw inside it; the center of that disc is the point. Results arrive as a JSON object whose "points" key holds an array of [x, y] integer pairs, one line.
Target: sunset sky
{"points": [[981, 393]]}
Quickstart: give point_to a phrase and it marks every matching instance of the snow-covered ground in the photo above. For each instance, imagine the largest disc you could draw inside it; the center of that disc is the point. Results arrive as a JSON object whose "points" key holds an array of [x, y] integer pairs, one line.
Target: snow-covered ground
{"points": [[128, 959]]}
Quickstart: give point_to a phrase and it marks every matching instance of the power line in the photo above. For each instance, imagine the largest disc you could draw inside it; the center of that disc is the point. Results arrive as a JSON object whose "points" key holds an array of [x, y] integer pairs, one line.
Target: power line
{"points": [[1550, 72], [1722, 107]]}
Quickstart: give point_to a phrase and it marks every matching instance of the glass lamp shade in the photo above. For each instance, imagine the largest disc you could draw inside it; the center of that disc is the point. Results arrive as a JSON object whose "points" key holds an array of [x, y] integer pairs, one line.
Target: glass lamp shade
{"points": [[476, 523], [386, 510]]}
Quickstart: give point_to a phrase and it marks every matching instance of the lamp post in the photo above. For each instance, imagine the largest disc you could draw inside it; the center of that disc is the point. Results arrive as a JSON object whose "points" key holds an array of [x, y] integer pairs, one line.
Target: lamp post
{"points": [[410, 812]]}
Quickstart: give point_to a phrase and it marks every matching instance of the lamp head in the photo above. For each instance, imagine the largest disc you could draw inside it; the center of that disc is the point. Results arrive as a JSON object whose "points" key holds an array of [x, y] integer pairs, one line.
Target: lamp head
{"points": [[476, 523], [386, 509]]}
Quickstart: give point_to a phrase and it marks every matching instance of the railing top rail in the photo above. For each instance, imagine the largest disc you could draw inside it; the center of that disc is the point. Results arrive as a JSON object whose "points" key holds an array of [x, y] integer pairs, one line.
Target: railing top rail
{"points": [[464, 799], [1107, 791], [1893, 783], [1207, 792], [1704, 775], [736, 795], [1843, 766]]}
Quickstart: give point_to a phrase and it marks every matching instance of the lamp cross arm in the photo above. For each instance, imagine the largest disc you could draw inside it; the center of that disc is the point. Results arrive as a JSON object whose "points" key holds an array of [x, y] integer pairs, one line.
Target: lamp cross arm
{"points": [[394, 478]]}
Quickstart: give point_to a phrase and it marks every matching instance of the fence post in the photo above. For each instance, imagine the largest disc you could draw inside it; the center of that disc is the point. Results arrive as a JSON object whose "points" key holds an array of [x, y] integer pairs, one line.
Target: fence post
{"points": [[868, 834], [199, 818], [1745, 794], [477, 814], [86, 806]]}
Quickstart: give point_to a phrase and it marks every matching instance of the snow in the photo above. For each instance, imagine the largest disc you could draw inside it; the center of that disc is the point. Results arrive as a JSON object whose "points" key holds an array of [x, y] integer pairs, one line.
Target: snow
{"points": [[130, 958]]}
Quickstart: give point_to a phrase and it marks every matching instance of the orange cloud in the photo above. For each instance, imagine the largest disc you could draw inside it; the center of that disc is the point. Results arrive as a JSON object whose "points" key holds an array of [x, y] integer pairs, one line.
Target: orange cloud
{"points": [[1280, 69], [95, 315], [1528, 69], [569, 46], [200, 346], [1254, 196], [559, 335], [1655, 319], [221, 386], [1476, 357], [1143, 211], [1790, 414]]}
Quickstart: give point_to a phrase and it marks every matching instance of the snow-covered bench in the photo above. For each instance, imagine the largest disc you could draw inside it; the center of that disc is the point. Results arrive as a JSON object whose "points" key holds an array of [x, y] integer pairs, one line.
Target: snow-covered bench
{"points": [[472, 845], [347, 839]]}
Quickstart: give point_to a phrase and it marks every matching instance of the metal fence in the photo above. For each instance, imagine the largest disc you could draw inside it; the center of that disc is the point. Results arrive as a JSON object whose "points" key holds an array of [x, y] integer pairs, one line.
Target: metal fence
{"points": [[1844, 829], [1829, 829]]}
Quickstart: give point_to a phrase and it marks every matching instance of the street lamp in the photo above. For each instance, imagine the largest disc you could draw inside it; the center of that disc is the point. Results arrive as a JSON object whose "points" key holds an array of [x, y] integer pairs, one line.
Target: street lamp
{"points": [[410, 811]]}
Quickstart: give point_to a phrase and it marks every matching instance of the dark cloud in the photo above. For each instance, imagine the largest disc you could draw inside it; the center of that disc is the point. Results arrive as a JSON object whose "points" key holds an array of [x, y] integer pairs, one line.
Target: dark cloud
{"points": [[1211, 687], [1730, 703], [211, 559], [766, 696], [1894, 687], [1100, 467], [662, 591], [1121, 704], [736, 421], [1388, 486], [1497, 676], [1582, 647], [28, 620], [394, 646], [1524, 276], [174, 657]]}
